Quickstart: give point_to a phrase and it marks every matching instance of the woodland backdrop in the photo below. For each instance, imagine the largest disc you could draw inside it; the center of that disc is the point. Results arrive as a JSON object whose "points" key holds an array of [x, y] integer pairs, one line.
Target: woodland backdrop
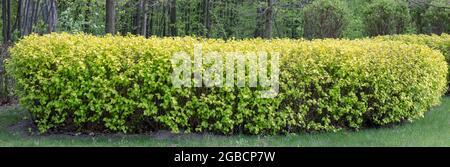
{"points": [[226, 18]]}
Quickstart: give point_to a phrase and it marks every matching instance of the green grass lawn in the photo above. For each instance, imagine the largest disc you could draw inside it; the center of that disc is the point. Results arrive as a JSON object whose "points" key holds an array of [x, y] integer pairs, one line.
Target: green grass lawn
{"points": [[433, 130]]}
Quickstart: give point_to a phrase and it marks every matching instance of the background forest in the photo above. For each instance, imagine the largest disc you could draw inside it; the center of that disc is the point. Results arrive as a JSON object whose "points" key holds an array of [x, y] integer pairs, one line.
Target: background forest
{"points": [[226, 18]]}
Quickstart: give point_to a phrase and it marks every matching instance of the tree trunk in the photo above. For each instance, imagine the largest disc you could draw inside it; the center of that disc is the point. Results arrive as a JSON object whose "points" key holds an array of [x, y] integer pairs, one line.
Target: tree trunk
{"points": [[35, 13], [206, 17], [110, 17], [6, 14], [18, 22], [29, 17], [52, 17], [150, 24], [269, 20], [187, 21], [143, 17], [173, 18], [164, 20], [8, 25], [24, 18], [138, 18]]}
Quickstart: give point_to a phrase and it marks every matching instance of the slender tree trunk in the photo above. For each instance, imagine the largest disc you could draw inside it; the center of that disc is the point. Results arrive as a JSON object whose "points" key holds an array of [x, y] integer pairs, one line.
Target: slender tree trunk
{"points": [[269, 20], [110, 16], [164, 20], [138, 18], [35, 12], [228, 19], [161, 20], [150, 24], [187, 24], [18, 22], [141, 18], [29, 17], [4, 20], [28, 28], [196, 29], [52, 16], [6, 15], [26, 13], [87, 13], [24, 20], [206, 17], [173, 18], [143, 26]]}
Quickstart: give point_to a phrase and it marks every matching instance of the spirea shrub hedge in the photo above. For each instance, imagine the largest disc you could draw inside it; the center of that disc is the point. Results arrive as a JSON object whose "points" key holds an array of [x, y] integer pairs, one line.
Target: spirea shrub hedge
{"points": [[86, 83], [437, 42]]}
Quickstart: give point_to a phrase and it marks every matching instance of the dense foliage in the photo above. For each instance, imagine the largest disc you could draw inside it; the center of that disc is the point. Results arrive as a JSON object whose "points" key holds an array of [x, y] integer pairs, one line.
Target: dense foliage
{"points": [[441, 43], [383, 17], [437, 17], [325, 19], [82, 82], [431, 16]]}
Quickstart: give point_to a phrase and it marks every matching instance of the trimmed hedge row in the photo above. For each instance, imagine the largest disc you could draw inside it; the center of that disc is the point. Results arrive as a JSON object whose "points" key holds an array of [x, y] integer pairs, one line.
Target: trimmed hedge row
{"points": [[438, 42], [86, 83]]}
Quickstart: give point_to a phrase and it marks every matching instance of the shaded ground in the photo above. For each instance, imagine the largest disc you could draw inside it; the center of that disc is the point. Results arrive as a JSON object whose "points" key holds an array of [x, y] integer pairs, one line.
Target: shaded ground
{"points": [[433, 130]]}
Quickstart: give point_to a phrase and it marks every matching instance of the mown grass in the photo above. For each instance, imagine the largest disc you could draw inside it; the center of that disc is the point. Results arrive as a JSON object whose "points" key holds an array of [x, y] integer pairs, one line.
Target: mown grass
{"points": [[433, 130]]}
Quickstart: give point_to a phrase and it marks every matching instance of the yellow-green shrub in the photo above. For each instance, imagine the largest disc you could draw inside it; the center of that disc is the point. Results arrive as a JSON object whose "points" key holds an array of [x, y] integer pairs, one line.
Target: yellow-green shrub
{"points": [[81, 82], [438, 42]]}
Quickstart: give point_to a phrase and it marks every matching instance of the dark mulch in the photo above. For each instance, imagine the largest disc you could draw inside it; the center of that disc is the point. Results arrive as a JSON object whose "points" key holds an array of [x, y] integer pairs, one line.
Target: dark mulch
{"points": [[26, 128]]}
